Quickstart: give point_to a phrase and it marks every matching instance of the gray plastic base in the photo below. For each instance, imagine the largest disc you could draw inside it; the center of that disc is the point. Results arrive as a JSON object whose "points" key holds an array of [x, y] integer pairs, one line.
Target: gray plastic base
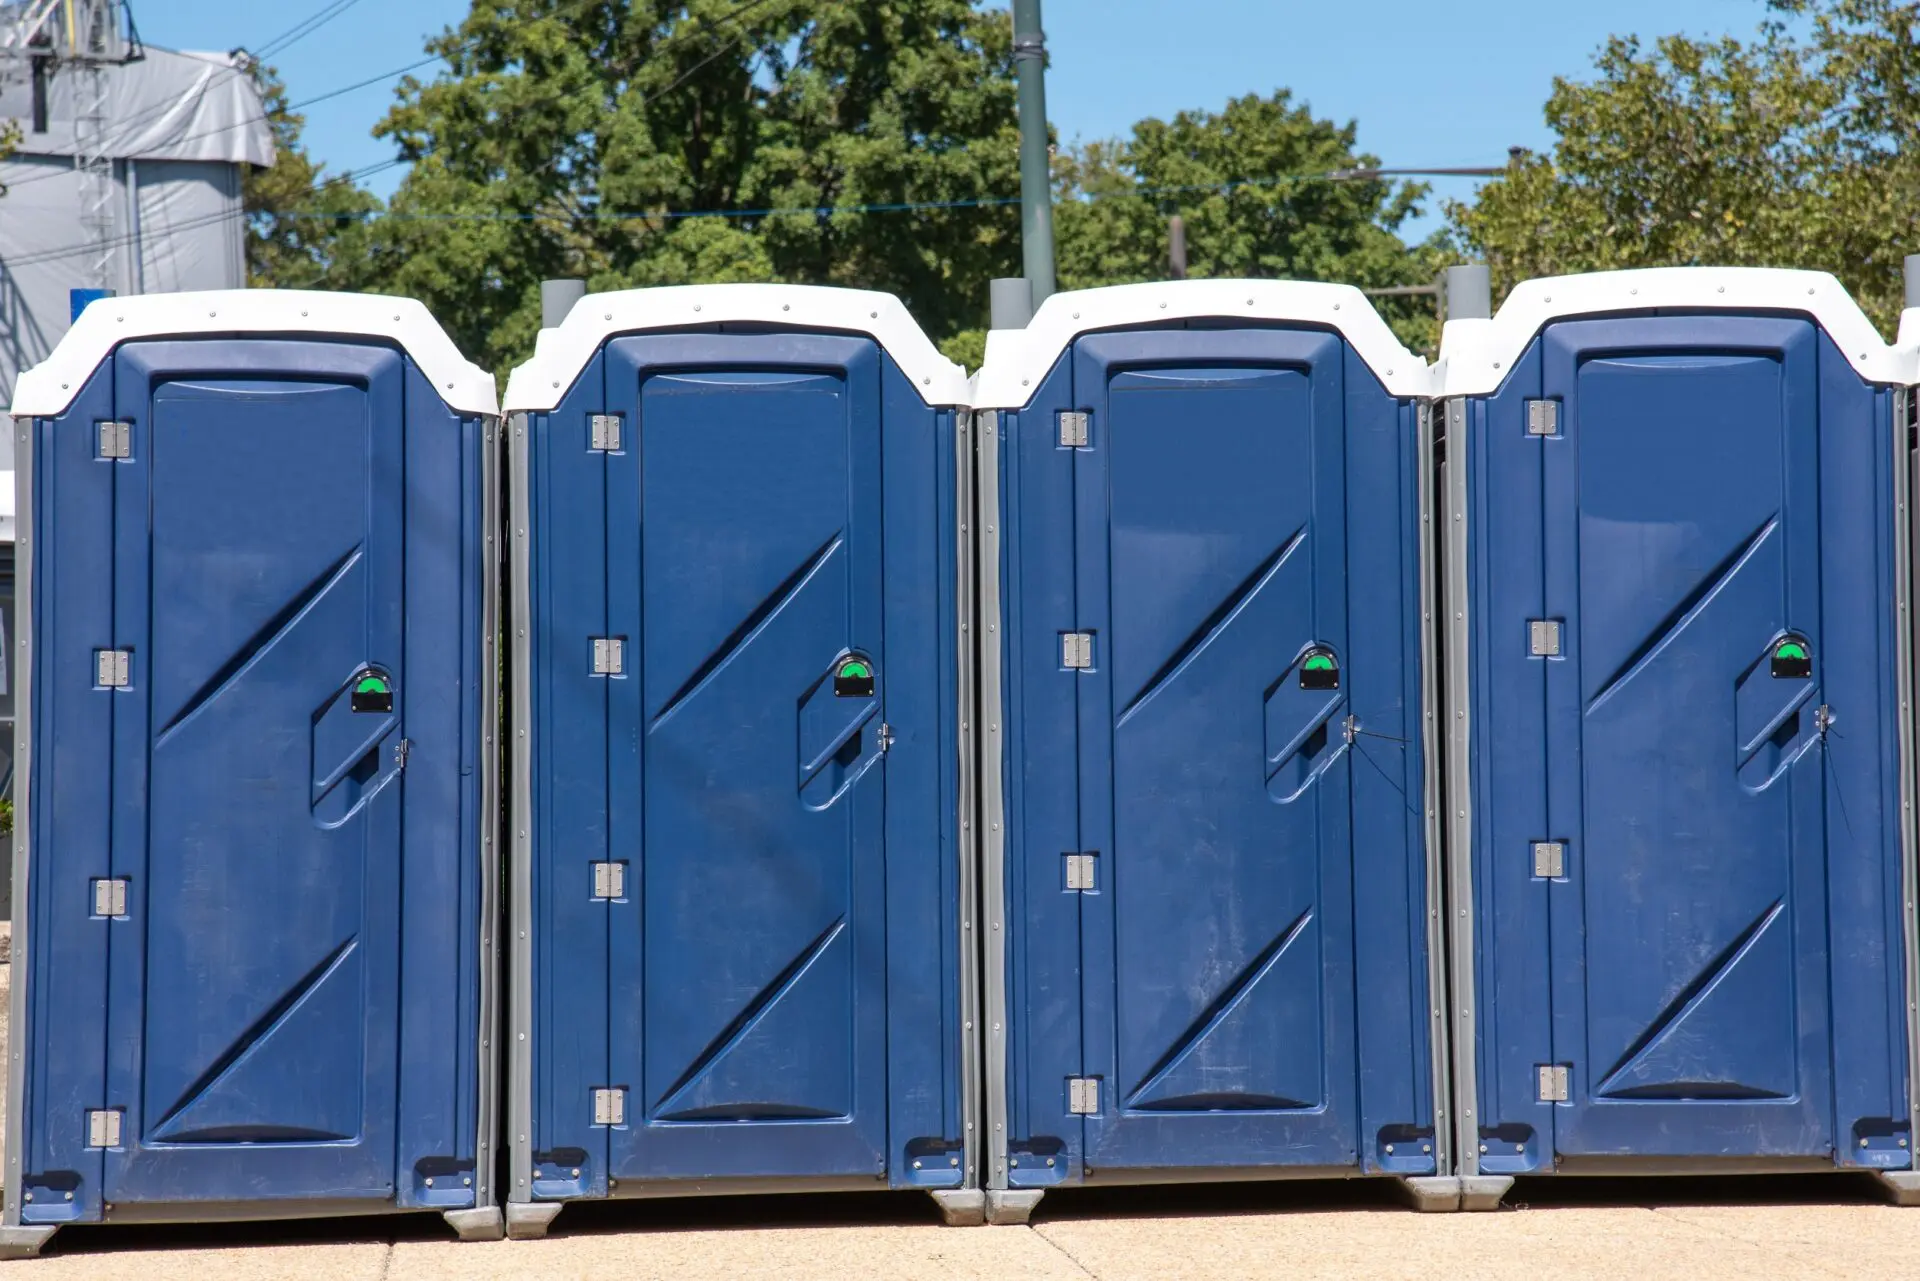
{"points": [[477, 1225], [1431, 1194], [961, 1207], [529, 1220], [26, 1241], [1483, 1191], [1902, 1187], [1012, 1205]]}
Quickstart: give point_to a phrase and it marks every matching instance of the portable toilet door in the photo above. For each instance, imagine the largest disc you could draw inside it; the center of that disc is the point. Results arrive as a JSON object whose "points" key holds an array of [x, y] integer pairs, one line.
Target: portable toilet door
{"points": [[1207, 873], [252, 958], [1677, 689], [738, 866]]}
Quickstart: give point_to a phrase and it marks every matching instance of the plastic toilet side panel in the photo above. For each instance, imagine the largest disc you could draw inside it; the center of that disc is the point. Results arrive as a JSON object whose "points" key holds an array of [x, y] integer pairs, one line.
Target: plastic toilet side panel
{"points": [[66, 966]]}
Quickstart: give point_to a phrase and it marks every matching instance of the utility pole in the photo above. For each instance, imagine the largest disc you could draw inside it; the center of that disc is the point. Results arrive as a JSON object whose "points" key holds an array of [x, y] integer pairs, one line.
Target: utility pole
{"points": [[1036, 167], [1177, 247]]}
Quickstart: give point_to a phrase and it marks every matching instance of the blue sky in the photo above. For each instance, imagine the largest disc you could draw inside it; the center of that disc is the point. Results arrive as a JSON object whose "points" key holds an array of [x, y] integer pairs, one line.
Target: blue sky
{"points": [[1431, 84]]}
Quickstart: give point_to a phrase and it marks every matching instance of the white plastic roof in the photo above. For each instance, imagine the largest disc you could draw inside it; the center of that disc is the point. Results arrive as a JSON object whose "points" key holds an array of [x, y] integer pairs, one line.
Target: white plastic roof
{"points": [[49, 387], [560, 354], [1018, 359], [1476, 355]]}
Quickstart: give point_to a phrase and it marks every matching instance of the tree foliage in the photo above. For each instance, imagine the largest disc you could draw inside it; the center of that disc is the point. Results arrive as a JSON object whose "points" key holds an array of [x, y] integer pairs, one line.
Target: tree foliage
{"points": [[304, 229], [1793, 149], [9, 139], [1258, 186], [647, 142]]}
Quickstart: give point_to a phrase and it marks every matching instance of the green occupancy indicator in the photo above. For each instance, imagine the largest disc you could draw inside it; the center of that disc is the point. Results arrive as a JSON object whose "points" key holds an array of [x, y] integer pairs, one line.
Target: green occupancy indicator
{"points": [[372, 692], [1319, 670], [853, 678], [1792, 658]]}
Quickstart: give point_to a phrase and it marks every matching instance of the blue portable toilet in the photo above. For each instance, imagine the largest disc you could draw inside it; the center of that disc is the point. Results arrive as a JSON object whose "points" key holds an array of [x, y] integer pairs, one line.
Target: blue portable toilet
{"points": [[254, 786], [1209, 884], [1676, 672], [738, 872]]}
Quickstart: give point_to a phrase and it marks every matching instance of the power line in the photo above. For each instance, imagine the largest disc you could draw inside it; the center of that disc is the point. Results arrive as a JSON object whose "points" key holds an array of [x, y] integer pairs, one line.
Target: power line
{"points": [[980, 202], [301, 30], [820, 211]]}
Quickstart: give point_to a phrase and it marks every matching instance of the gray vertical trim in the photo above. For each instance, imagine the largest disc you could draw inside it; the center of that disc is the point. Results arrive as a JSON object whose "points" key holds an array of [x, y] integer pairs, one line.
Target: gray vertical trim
{"points": [[1906, 475], [486, 1142], [1459, 826], [520, 945], [967, 654], [1433, 798], [136, 273], [25, 537], [993, 805]]}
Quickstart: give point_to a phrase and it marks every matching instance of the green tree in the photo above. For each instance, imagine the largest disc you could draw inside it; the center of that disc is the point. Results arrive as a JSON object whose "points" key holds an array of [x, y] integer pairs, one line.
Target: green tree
{"points": [[573, 137], [304, 229], [1785, 151], [9, 139], [1258, 187]]}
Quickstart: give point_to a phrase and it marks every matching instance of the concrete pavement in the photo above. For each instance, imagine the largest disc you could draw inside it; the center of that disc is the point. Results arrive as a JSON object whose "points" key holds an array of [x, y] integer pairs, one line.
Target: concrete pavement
{"points": [[1695, 1229]]}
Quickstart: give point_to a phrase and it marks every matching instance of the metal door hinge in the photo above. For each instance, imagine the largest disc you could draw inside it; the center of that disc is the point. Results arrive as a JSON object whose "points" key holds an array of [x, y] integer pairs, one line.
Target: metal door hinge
{"points": [[116, 440], [1822, 719], [603, 431], [401, 751], [1083, 1095], [610, 1107], [1550, 859], [1553, 1083], [103, 1128], [111, 667], [1075, 429], [1543, 638], [885, 738], [609, 880], [1543, 418], [110, 897], [1080, 871], [1076, 649], [609, 656]]}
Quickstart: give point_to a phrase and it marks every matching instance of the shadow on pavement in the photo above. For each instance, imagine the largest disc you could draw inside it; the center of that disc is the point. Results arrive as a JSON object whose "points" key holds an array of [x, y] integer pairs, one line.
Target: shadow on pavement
{"points": [[1309, 1196]]}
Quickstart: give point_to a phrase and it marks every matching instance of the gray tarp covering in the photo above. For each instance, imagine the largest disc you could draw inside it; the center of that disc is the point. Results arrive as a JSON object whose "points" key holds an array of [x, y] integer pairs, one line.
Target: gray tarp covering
{"points": [[166, 106], [180, 126]]}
